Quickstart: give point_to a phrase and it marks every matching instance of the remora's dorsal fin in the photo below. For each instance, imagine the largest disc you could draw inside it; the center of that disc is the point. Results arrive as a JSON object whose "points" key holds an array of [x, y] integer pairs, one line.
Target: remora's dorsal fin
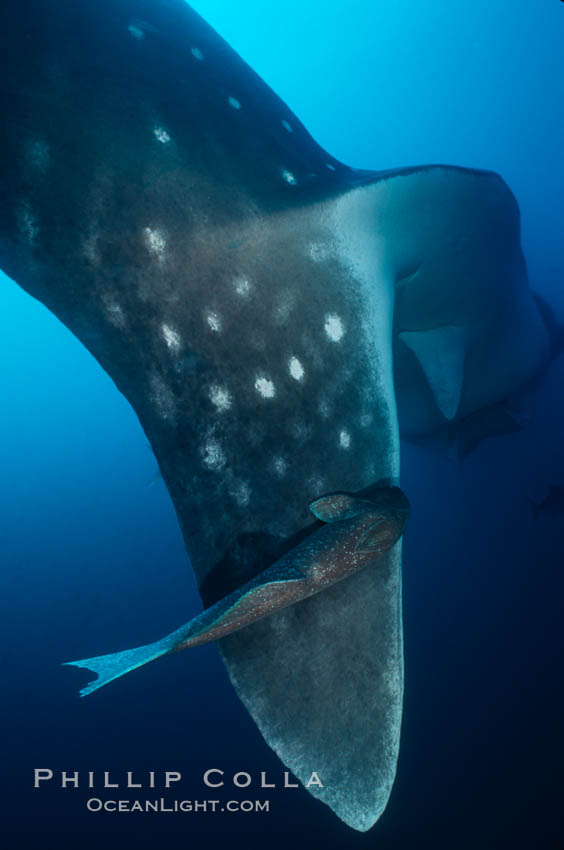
{"points": [[337, 506], [441, 353]]}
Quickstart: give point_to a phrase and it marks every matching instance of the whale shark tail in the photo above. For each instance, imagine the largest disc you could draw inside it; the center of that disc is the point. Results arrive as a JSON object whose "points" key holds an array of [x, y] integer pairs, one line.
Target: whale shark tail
{"points": [[116, 664]]}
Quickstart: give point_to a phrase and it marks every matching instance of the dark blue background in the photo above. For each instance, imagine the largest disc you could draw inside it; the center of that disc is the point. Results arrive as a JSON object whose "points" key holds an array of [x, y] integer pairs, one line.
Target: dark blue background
{"points": [[92, 558]]}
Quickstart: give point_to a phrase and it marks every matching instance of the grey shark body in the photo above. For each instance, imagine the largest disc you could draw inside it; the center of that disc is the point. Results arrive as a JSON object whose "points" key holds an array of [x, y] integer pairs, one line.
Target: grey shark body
{"points": [[249, 295]]}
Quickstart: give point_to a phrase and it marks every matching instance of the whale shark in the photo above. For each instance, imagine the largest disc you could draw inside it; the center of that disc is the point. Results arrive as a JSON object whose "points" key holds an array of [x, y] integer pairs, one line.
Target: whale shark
{"points": [[274, 317]]}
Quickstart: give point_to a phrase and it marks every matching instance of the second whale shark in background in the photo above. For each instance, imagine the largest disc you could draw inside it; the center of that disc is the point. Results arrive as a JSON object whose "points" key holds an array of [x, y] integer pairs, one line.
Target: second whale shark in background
{"points": [[268, 311], [463, 432]]}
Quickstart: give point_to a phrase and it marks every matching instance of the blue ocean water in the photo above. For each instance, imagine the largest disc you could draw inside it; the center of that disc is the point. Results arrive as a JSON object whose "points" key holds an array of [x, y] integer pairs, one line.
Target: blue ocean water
{"points": [[92, 557]]}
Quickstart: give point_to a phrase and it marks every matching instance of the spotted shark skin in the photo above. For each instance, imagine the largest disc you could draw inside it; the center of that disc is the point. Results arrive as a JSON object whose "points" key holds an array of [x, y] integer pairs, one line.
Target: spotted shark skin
{"points": [[245, 291]]}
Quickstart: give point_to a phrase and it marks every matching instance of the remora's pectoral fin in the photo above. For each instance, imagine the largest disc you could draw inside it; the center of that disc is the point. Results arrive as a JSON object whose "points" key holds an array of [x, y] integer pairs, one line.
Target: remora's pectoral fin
{"points": [[441, 353], [337, 506]]}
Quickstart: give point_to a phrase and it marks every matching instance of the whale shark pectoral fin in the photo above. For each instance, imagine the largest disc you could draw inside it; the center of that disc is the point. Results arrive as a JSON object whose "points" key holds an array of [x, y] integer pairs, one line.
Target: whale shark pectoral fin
{"points": [[337, 506], [441, 353]]}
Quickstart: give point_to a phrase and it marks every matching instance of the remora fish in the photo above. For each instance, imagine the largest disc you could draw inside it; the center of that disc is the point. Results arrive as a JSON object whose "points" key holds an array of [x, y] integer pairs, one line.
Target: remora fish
{"points": [[360, 531]]}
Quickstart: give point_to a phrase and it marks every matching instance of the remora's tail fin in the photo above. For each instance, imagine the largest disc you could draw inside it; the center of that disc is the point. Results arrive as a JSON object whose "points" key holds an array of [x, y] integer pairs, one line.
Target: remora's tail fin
{"points": [[110, 667]]}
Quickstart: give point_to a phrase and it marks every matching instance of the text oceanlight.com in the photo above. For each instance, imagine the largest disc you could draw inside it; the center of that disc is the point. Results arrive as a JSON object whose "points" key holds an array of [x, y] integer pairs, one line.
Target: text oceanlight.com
{"points": [[94, 804]]}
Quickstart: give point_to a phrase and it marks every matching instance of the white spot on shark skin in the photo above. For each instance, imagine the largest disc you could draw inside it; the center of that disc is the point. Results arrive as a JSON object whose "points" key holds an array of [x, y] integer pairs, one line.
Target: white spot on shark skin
{"points": [[265, 387], [285, 305], [161, 135], [91, 249], [136, 32], [241, 493], [330, 167], [242, 286], [116, 316], [315, 485], [280, 466], [296, 369], [171, 337], [197, 54], [232, 101], [212, 454], [287, 126], [143, 27], [289, 177], [317, 252], [155, 242], [38, 155], [300, 431], [345, 439], [162, 398], [324, 409], [214, 321], [28, 224], [220, 397], [334, 327], [114, 312], [366, 419]]}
